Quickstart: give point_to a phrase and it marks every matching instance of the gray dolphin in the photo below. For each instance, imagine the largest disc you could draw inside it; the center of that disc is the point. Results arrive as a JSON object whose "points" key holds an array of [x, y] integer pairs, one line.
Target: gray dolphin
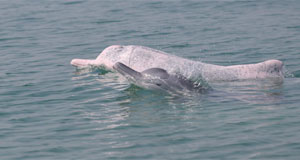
{"points": [[157, 79]]}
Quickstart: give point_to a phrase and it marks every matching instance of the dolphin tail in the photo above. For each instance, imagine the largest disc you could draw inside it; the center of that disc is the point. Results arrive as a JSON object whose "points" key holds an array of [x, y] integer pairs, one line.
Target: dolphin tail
{"points": [[126, 71]]}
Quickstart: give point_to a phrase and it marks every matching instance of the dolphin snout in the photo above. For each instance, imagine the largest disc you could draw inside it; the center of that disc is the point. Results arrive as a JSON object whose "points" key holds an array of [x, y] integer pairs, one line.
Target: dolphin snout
{"points": [[81, 62]]}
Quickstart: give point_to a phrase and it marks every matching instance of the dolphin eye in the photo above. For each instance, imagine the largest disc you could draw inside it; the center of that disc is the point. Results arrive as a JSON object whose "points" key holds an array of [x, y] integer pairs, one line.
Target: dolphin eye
{"points": [[158, 84]]}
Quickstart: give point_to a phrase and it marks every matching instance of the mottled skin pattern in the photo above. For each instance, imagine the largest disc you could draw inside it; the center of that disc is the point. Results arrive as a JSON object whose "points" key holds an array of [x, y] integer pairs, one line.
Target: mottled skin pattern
{"points": [[141, 58]]}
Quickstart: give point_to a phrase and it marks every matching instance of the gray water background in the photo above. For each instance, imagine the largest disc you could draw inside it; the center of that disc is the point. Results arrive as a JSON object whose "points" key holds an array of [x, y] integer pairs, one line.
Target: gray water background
{"points": [[50, 110]]}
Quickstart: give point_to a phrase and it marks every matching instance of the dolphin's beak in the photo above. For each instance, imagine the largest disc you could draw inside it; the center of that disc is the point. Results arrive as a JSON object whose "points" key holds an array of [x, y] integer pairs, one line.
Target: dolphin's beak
{"points": [[126, 71], [82, 62]]}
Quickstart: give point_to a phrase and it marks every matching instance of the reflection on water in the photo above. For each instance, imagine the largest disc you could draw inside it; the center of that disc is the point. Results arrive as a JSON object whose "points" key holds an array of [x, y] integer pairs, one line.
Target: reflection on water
{"points": [[267, 91], [140, 106]]}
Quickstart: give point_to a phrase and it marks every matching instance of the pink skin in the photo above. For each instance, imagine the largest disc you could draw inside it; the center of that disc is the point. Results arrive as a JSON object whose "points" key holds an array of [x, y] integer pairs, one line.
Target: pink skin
{"points": [[141, 58], [269, 68], [101, 60]]}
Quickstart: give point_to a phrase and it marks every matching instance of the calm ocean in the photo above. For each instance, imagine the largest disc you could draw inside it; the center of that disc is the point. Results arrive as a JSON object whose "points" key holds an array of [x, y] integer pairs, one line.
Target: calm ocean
{"points": [[50, 110]]}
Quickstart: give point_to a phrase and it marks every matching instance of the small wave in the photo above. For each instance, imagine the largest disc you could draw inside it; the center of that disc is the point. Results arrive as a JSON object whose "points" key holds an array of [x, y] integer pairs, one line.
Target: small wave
{"points": [[289, 74], [92, 69], [295, 74], [72, 3]]}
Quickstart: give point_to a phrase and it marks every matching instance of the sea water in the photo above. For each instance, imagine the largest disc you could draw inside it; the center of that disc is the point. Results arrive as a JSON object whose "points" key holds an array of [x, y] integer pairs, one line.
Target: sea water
{"points": [[50, 110]]}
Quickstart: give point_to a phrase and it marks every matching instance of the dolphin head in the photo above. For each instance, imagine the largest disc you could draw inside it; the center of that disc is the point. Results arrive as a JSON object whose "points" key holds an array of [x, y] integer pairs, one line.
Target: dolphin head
{"points": [[155, 78], [107, 58], [112, 54], [138, 78]]}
